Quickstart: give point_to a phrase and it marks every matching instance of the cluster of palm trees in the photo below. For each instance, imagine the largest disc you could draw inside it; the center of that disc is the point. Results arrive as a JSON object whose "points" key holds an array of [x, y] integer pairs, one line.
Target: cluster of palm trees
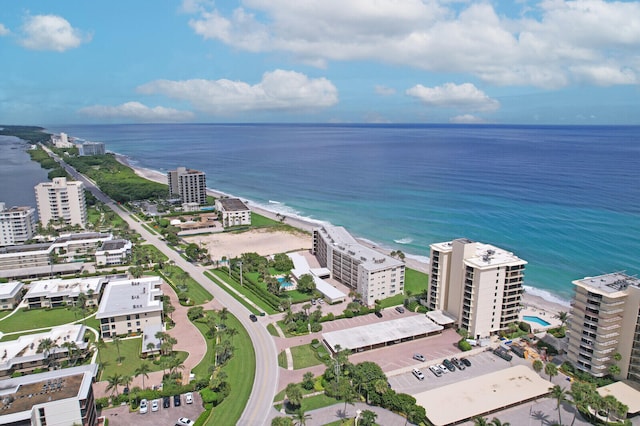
{"points": [[482, 421], [585, 398], [48, 346]]}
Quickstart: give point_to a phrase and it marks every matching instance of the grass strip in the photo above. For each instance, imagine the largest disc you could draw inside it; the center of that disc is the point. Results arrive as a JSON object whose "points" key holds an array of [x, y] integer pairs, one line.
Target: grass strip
{"points": [[282, 360], [304, 356], [28, 319], [242, 290]]}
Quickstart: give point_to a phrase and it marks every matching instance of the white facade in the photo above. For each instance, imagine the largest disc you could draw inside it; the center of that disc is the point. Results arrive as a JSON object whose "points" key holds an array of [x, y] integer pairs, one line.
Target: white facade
{"points": [[233, 212], [61, 201], [130, 306], [188, 185], [114, 252], [10, 294], [374, 275], [58, 292], [90, 148], [61, 141], [605, 320], [478, 284], [17, 225]]}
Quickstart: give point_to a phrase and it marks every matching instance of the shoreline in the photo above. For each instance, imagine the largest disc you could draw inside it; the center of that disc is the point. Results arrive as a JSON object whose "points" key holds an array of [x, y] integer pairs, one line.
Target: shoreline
{"points": [[532, 297]]}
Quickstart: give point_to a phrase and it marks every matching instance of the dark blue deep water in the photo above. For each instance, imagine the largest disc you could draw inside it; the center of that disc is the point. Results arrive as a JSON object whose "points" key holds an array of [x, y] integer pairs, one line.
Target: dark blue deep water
{"points": [[566, 199]]}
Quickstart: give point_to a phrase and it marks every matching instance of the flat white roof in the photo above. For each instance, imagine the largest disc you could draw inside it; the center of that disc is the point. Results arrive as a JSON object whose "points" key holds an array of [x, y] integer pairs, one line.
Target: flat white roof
{"points": [[71, 287], [381, 332], [440, 317], [301, 267], [134, 296], [483, 394], [485, 255], [149, 336], [10, 289], [623, 393]]}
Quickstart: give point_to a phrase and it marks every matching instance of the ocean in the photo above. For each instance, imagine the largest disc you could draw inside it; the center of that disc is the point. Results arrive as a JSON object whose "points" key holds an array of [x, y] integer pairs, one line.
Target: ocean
{"points": [[564, 198]]}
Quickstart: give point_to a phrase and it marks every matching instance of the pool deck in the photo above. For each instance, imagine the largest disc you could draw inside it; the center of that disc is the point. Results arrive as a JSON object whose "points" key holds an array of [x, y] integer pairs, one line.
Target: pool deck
{"points": [[543, 315]]}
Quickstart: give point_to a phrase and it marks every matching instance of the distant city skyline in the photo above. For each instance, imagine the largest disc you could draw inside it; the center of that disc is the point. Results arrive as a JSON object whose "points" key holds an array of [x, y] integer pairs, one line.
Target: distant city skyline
{"points": [[360, 61]]}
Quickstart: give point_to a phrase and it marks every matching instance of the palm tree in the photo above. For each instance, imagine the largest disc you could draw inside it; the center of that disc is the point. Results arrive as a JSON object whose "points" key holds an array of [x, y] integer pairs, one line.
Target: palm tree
{"points": [[72, 350], [538, 366], [496, 422], [560, 395], [46, 346], [232, 332], [480, 421], [113, 382], [143, 371], [551, 370], [224, 314], [562, 316], [116, 341], [300, 417], [97, 345]]}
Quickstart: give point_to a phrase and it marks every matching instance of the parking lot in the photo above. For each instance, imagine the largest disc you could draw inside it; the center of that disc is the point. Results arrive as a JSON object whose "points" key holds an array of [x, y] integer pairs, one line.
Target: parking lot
{"points": [[120, 416]]}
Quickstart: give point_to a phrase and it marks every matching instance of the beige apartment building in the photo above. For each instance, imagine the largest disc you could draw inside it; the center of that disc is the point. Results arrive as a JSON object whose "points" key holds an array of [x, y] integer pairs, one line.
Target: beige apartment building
{"points": [[17, 225], [374, 275], [233, 212], [605, 321], [60, 200], [188, 185], [479, 285]]}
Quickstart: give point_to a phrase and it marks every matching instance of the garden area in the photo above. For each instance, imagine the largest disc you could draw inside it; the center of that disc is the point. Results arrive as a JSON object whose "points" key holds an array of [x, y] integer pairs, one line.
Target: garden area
{"points": [[29, 319], [189, 291]]}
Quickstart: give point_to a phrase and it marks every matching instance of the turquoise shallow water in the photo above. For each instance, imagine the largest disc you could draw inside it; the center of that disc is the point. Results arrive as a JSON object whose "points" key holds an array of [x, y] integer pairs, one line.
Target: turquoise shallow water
{"points": [[566, 199]]}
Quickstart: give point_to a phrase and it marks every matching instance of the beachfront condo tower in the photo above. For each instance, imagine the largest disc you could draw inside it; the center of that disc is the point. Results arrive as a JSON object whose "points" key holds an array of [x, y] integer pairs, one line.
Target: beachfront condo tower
{"points": [[604, 322], [374, 275], [61, 202], [479, 285], [190, 186], [17, 225]]}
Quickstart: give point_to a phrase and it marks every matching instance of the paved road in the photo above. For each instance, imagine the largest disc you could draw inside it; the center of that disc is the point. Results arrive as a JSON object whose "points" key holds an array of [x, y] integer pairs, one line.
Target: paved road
{"points": [[259, 408]]}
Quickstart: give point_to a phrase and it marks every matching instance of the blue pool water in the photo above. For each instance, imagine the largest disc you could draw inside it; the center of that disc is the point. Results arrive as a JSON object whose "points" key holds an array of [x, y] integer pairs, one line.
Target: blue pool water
{"points": [[537, 320], [283, 283]]}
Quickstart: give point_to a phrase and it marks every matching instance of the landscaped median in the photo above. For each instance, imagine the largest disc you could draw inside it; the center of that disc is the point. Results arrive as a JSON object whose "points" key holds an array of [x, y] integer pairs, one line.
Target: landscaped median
{"points": [[218, 276]]}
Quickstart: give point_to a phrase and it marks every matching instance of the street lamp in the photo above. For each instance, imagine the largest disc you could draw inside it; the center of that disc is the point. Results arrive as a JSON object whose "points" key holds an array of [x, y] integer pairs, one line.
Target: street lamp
{"points": [[240, 263], [358, 412]]}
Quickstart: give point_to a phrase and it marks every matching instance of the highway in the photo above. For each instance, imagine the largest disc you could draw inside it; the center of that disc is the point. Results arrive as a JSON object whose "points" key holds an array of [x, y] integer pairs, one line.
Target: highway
{"points": [[259, 409]]}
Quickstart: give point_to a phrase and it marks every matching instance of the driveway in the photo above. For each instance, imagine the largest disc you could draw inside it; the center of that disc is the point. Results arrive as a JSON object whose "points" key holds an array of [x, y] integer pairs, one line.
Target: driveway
{"points": [[120, 416]]}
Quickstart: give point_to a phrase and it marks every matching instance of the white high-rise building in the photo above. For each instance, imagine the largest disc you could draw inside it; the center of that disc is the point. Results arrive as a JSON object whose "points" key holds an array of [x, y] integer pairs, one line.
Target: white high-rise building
{"points": [[61, 200], [17, 225], [188, 185], [478, 284]]}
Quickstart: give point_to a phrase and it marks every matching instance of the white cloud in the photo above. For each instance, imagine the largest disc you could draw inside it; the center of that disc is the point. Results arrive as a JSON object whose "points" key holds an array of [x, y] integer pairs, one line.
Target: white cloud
{"points": [[464, 96], [4, 30], [138, 112], [544, 46], [278, 90], [384, 90], [51, 32], [466, 119]]}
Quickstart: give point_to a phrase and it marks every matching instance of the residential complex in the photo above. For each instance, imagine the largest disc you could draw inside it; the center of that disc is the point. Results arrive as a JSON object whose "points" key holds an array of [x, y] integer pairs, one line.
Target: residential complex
{"points": [[479, 285], [190, 186], [233, 212], [130, 306], [61, 202], [58, 292], [372, 274], [58, 397], [605, 321], [90, 148], [114, 252], [17, 225], [10, 294], [61, 141]]}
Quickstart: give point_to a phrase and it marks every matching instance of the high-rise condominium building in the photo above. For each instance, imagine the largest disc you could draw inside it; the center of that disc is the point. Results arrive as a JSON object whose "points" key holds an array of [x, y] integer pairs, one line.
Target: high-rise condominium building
{"points": [[478, 284], [605, 321], [17, 225], [188, 185], [61, 201]]}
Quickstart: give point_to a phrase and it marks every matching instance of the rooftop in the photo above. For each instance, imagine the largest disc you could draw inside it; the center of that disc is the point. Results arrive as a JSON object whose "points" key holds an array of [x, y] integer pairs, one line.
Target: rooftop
{"points": [[71, 287], [485, 255], [232, 204], [114, 245], [301, 267], [609, 283], [10, 289], [126, 297], [624, 393]]}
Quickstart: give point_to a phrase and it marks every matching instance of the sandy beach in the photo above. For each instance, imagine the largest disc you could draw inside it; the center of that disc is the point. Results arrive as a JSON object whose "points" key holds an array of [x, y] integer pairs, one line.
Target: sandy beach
{"points": [[258, 242]]}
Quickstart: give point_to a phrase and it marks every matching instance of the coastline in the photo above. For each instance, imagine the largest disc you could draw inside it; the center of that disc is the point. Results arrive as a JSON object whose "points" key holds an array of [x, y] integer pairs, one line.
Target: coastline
{"points": [[532, 297]]}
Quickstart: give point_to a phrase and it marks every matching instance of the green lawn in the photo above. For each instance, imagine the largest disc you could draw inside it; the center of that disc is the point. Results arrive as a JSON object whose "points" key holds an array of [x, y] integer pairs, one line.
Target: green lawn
{"points": [[304, 356], [202, 369], [37, 318], [240, 370], [282, 360], [414, 281], [4, 313], [198, 294], [398, 299], [130, 354], [318, 401], [242, 290], [272, 330]]}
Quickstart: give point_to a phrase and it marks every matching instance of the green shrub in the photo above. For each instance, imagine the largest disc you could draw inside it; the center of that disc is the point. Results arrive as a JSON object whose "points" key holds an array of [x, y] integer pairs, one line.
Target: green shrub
{"points": [[524, 326], [102, 402], [209, 396], [463, 345]]}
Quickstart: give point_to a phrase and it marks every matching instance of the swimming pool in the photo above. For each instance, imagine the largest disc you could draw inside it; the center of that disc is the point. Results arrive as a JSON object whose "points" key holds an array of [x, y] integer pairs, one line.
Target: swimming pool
{"points": [[284, 284], [537, 320]]}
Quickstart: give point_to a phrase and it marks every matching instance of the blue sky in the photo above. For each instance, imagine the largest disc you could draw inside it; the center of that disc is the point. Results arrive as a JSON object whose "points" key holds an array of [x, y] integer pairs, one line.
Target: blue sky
{"points": [[417, 61]]}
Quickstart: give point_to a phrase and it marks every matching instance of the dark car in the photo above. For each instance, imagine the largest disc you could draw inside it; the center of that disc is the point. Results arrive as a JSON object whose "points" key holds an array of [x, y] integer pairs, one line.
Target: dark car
{"points": [[166, 402], [465, 362], [379, 314], [458, 364], [400, 309], [176, 400], [449, 365], [253, 318]]}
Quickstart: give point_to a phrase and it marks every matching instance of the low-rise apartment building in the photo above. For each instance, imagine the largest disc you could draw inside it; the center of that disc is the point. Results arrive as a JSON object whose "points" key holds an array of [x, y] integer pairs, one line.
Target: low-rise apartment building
{"points": [[605, 321], [114, 252], [58, 397], [479, 285], [10, 294], [17, 225], [374, 275], [129, 306], [233, 212], [58, 292]]}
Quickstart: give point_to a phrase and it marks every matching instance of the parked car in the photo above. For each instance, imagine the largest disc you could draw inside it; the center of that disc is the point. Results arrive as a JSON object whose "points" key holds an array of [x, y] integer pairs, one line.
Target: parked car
{"points": [[419, 357], [155, 405], [379, 314], [185, 421], [449, 365], [418, 374], [253, 318], [458, 364], [442, 368], [313, 301], [502, 353], [465, 361], [400, 309], [166, 402], [176, 400], [435, 370], [188, 398], [321, 301], [144, 406]]}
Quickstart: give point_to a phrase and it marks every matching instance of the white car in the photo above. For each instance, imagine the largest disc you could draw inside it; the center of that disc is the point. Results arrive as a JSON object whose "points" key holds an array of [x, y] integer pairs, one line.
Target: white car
{"points": [[144, 406], [418, 374], [184, 421], [155, 405], [188, 398], [443, 368], [435, 370]]}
